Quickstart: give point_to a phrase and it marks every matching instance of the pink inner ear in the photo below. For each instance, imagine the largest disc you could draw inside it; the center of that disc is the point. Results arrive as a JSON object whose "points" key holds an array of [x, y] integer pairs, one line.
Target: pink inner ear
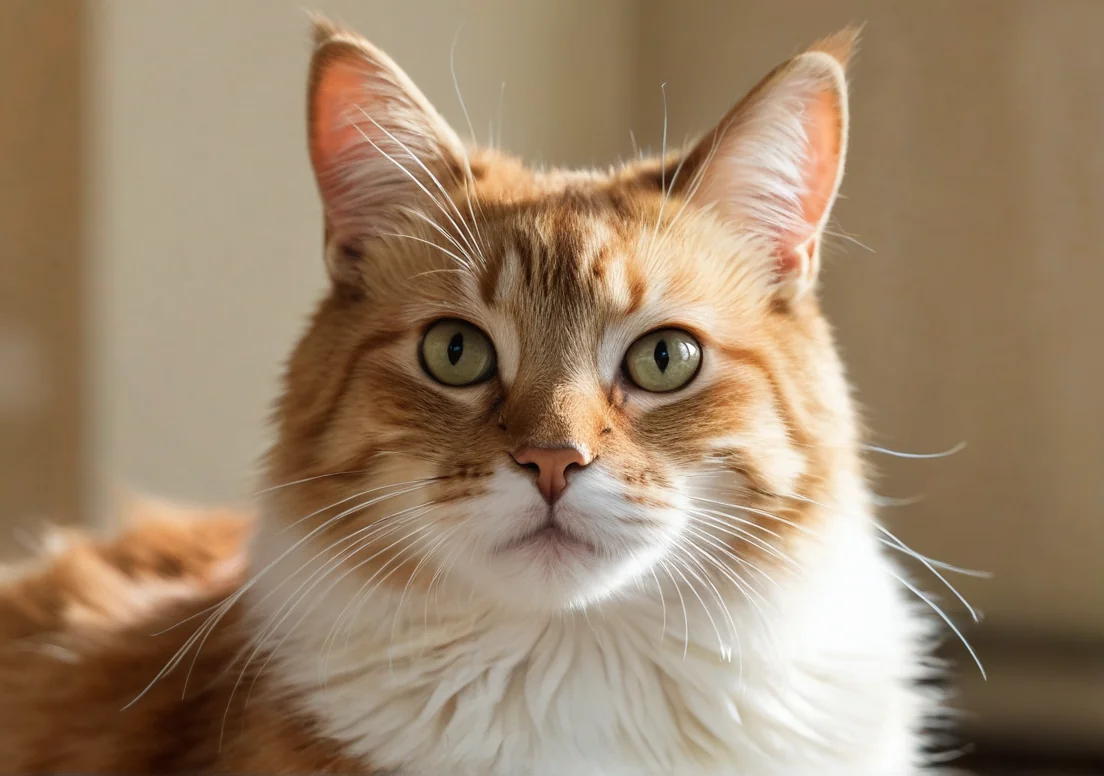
{"points": [[340, 87], [823, 131], [822, 126]]}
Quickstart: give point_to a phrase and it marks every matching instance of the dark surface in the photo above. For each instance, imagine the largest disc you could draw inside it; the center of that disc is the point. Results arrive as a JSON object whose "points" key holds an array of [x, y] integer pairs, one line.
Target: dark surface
{"points": [[1015, 759]]}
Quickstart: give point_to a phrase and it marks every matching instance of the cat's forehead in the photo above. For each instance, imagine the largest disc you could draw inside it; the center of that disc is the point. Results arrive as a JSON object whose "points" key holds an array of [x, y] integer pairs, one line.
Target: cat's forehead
{"points": [[564, 256], [589, 255]]}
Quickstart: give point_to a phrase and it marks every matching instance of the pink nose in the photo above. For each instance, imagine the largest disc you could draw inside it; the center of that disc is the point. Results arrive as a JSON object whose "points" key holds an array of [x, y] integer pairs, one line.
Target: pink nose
{"points": [[552, 464]]}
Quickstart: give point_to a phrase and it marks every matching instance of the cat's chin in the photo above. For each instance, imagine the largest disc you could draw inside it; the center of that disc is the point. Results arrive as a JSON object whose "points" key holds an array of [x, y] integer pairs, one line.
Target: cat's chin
{"points": [[551, 571], [542, 573], [551, 544]]}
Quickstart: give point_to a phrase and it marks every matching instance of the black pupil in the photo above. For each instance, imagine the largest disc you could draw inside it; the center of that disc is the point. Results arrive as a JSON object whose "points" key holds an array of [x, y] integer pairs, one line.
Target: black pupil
{"points": [[455, 348], [662, 357]]}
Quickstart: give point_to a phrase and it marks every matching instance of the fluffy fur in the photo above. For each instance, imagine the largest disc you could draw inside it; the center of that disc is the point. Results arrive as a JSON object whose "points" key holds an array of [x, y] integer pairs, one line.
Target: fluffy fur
{"points": [[707, 597]]}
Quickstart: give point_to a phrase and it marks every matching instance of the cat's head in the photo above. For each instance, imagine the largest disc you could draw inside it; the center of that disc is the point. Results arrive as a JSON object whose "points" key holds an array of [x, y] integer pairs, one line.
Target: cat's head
{"points": [[545, 386]]}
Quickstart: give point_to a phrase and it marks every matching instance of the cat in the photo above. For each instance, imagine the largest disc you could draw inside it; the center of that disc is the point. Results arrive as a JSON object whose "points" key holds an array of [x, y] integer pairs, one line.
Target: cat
{"points": [[567, 480]]}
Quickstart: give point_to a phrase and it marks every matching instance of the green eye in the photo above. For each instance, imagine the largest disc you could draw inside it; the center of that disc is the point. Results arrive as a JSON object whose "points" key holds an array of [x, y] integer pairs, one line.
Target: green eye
{"points": [[664, 360], [456, 353]]}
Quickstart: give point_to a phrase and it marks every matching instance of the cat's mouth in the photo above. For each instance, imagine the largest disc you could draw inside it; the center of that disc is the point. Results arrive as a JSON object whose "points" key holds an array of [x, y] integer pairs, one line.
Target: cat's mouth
{"points": [[551, 538]]}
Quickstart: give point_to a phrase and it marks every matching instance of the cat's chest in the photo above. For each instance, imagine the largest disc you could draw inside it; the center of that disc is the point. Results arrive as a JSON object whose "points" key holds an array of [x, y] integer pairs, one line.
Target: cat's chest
{"points": [[593, 699], [825, 685]]}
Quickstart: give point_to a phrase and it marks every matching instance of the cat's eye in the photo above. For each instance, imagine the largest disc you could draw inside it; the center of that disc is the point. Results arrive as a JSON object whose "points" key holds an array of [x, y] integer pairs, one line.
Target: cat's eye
{"points": [[456, 353], [664, 360]]}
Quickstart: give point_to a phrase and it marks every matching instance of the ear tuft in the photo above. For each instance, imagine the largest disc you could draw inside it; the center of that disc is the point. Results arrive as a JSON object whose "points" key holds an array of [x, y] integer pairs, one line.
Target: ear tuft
{"points": [[841, 46], [322, 29]]}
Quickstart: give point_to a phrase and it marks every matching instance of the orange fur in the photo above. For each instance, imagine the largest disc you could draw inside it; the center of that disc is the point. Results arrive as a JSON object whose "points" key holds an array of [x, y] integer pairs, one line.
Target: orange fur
{"points": [[85, 630]]}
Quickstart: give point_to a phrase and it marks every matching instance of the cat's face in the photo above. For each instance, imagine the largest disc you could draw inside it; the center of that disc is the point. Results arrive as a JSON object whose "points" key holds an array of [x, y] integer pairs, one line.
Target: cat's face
{"points": [[548, 387]]}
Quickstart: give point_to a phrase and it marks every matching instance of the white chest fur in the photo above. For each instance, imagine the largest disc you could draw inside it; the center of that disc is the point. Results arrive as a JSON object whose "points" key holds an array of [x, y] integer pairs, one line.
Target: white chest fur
{"points": [[816, 680]]}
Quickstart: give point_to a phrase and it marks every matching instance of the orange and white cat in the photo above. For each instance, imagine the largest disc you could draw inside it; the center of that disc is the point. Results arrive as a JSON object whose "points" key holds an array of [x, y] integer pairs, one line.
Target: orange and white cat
{"points": [[567, 482]]}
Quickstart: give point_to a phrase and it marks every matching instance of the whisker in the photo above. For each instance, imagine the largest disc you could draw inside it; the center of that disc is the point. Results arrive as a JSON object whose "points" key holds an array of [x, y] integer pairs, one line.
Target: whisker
{"points": [[442, 572], [706, 579], [262, 639], [663, 151], [469, 262], [362, 600], [901, 546], [308, 479], [293, 575], [905, 549], [669, 189], [360, 595], [456, 81], [719, 519], [889, 501], [744, 586], [754, 511], [943, 616], [710, 521], [708, 614], [215, 617], [725, 650], [416, 484], [444, 250], [390, 525], [421, 510], [663, 178], [445, 536], [471, 130], [685, 615], [958, 448], [662, 603], [699, 177], [842, 235], [732, 574], [440, 271], [414, 157], [908, 551], [353, 541]]}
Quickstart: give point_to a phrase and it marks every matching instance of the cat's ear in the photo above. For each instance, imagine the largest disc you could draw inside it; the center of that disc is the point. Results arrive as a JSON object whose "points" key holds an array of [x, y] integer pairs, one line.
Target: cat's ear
{"points": [[376, 144], [774, 163]]}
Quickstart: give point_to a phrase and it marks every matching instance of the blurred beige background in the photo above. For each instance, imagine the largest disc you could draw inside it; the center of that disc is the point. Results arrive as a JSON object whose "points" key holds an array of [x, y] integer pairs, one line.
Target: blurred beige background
{"points": [[162, 238]]}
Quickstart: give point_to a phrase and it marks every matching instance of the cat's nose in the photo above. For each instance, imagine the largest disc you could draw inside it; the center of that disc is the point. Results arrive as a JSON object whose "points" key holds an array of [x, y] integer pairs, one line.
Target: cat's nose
{"points": [[552, 464]]}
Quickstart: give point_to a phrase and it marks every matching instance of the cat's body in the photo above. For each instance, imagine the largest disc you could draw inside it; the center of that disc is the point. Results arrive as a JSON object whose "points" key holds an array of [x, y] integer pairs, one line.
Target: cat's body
{"points": [[567, 481], [85, 631]]}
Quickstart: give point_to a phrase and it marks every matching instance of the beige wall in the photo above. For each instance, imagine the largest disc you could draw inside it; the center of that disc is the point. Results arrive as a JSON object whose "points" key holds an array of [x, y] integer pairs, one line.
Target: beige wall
{"points": [[207, 229], [41, 267]]}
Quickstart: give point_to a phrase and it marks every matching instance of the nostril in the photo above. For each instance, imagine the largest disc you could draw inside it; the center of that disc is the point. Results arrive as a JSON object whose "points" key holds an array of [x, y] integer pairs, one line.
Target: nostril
{"points": [[551, 465], [525, 462]]}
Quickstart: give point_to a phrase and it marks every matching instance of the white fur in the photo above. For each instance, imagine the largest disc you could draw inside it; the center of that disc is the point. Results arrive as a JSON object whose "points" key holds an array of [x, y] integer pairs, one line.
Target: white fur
{"points": [[815, 678]]}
